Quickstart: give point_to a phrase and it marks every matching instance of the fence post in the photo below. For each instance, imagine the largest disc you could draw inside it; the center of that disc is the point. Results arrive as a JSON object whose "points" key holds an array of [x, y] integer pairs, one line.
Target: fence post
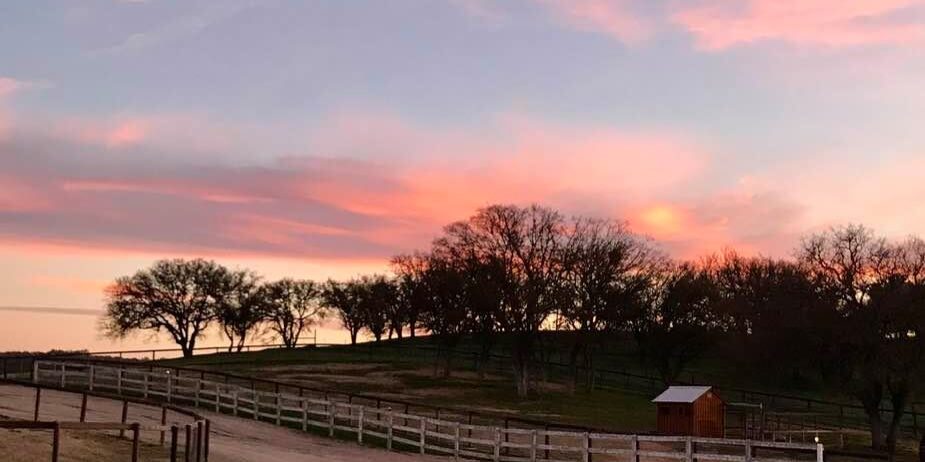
{"points": [[124, 418], [173, 443], [63, 375], [360, 425], [636, 448], [198, 441], [585, 447], [38, 401], [83, 408], [218, 398], [256, 405], [208, 439], [55, 442], [304, 415], [119, 382], [169, 387], [423, 429], [456, 441], [145, 375], [820, 456], [92, 376], [234, 399], [332, 408], [388, 431], [748, 451], [689, 450], [497, 448], [163, 422], [136, 431], [533, 437], [196, 395], [35, 371], [279, 409], [186, 447]]}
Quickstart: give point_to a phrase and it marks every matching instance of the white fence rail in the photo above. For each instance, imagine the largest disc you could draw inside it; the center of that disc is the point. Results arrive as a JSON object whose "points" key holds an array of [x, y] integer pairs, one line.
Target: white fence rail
{"points": [[413, 432]]}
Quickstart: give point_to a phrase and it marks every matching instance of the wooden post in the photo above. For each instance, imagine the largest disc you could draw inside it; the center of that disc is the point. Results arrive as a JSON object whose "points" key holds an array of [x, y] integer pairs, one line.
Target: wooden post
{"points": [[38, 401], [119, 382], [169, 387], [585, 448], [35, 371], [635, 448], [748, 451], [256, 405], [689, 450], [198, 441], [360, 425], [423, 442], [55, 442], [208, 437], [304, 415], [196, 395], [83, 407], [388, 431], [332, 408], [173, 443], [456, 441], [279, 409], [533, 446], [186, 447], [63, 375], [124, 418], [92, 376], [820, 455], [145, 375], [163, 422], [497, 455], [234, 400], [218, 398], [136, 433]]}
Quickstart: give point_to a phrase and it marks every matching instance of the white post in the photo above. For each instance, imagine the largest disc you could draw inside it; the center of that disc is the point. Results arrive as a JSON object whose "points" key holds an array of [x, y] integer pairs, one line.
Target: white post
{"points": [[35, 371], [234, 401], [533, 446], [92, 375], [198, 386], [497, 455], [688, 450], [423, 434], [456, 441], [748, 451], [388, 431], [256, 405], [279, 410], [63, 375], [304, 416], [331, 410], [119, 382], [360, 425], [585, 447], [146, 384], [169, 388], [819, 452], [218, 399], [635, 448]]}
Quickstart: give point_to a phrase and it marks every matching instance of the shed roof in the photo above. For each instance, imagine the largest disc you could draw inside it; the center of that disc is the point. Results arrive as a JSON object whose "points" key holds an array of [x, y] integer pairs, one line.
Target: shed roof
{"points": [[681, 394]]}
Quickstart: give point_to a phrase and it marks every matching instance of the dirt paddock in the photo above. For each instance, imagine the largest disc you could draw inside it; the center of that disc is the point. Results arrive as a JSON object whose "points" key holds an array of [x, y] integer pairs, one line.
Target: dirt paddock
{"points": [[233, 439]]}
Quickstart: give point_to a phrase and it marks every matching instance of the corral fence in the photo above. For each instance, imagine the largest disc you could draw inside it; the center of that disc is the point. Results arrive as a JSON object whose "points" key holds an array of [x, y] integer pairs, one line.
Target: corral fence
{"points": [[447, 434], [195, 434]]}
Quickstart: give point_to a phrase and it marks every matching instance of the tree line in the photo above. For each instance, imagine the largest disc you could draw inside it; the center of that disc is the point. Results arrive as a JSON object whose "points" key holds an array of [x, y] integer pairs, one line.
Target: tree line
{"points": [[847, 309]]}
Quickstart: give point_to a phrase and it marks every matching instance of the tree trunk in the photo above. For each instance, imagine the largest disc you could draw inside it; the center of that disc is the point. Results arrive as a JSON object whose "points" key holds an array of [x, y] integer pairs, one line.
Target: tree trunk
{"points": [[353, 337], [521, 363], [898, 399], [411, 326], [876, 426]]}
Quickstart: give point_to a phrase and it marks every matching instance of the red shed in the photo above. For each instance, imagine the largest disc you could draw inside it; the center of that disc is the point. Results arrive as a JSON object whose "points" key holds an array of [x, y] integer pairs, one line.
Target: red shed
{"points": [[690, 410]]}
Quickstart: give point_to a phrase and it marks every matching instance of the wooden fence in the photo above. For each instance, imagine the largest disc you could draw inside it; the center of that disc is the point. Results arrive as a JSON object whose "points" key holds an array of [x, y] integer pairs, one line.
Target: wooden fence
{"points": [[401, 430], [195, 446]]}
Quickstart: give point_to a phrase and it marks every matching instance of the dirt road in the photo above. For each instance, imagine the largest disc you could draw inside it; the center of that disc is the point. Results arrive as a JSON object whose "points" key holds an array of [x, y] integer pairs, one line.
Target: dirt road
{"points": [[233, 439]]}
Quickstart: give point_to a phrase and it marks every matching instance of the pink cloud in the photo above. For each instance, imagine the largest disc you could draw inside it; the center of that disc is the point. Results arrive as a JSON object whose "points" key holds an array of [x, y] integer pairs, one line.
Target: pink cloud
{"points": [[721, 24], [8, 86], [609, 17]]}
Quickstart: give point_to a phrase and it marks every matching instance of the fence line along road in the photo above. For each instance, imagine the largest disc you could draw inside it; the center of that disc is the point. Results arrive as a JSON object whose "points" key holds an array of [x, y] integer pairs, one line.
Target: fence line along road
{"points": [[195, 445], [399, 430]]}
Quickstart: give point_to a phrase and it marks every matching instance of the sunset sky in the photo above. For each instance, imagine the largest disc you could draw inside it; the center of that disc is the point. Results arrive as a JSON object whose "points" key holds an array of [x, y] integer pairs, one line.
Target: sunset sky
{"points": [[317, 138]]}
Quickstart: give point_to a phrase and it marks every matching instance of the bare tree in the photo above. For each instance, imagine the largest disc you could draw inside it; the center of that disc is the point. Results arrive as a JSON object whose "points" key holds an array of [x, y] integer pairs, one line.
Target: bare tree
{"points": [[409, 271], [241, 308], [526, 244], [344, 298], [176, 296], [291, 307]]}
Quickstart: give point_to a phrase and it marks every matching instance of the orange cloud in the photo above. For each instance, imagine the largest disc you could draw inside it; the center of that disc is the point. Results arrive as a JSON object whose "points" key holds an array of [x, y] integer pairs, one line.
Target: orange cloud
{"points": [[610, 17], [721, 24]]}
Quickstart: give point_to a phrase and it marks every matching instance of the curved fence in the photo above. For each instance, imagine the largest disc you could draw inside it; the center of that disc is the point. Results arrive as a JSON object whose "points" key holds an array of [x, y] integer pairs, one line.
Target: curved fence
{"points": [[394, 429]]}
